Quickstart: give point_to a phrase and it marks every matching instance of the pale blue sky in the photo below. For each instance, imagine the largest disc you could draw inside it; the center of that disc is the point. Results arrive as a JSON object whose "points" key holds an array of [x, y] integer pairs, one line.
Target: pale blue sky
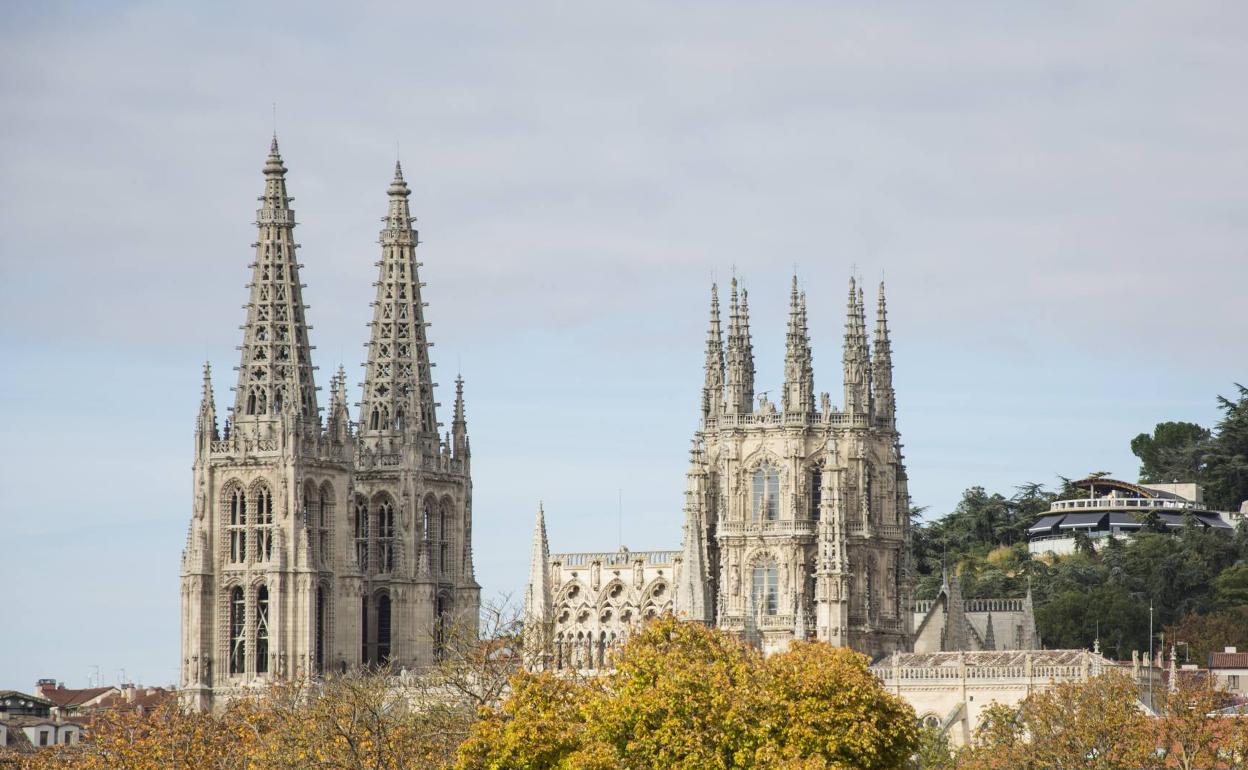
{"points": [[1056, 193]]}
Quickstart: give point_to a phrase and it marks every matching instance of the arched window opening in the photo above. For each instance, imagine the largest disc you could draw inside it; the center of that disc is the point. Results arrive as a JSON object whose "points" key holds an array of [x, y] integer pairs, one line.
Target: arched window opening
{"points": [[318, 660], [426, 522], [374, 420], [766, 589], [238, 526], [264, 522], [816, 494], [383, 629], [238, 631], [385, 537], [869, 595], [323, 523], [251, 402], [444, 532], [262, 630], [365, 658], [766, 494], [361, 535], [262, 402], [398, 420], [441, 622]]}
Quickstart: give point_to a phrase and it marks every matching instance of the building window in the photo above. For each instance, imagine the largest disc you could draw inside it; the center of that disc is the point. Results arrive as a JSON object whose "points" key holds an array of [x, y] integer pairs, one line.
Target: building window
{"points": [[365, 658], [766, 589], [319, 633], [383, 629], [238, 526], [264, 522], [262, 630], [444, 531], [766, 494], [385, 537], [1232, 682], [238, 632], [361, 535], [323, 523], [816, 494]]}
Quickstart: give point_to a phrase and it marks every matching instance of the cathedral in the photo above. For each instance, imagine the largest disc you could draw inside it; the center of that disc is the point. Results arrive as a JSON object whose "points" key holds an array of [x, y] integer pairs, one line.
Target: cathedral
{"points": [[319, 543], [796, 520]]}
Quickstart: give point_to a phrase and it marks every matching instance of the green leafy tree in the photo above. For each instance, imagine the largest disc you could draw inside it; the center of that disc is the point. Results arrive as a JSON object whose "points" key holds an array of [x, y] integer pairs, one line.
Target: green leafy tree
{"points": [[1172, 453], [1226, 461]]}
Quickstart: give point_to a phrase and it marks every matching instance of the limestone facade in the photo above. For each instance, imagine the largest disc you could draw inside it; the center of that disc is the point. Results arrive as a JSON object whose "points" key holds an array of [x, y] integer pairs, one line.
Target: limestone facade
{"points": [[318, 544], [950, 690], [796, 520]]}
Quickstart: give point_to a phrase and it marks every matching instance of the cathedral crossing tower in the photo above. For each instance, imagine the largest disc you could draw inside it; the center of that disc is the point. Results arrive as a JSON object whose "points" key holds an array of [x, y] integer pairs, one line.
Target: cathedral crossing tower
{"points": [[324, 545]]}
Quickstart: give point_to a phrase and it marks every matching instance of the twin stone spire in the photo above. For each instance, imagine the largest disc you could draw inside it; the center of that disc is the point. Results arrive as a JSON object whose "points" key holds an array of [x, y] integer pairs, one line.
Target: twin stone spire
{"points": [[275, 373], [729, 383]]}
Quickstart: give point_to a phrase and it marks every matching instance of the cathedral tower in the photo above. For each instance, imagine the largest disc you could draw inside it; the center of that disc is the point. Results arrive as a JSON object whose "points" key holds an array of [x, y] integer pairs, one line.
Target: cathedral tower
{"points": [[310, 546], [796, 517]]}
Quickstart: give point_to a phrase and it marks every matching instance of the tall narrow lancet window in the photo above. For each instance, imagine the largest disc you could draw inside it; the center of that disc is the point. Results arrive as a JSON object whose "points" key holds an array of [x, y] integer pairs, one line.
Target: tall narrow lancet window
{"points": [[238, 526], [444, 533], [441, 610], [765, 498], [238, 631], [262, 630], [766, 589], [318, 634], [361, 534], [428, 523], [264, 523], [383, 629], [365, 657], [326, 516], [816, 494], [385, 537]]}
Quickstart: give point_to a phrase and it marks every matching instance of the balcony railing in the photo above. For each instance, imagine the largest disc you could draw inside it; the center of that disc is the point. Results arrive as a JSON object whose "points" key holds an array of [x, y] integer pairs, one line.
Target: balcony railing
{"points": [[1121, 503]]}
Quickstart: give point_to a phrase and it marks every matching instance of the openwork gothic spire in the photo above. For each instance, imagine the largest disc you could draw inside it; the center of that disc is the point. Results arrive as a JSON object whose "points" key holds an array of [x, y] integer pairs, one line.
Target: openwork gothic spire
{"points": [[799, 372], [882, 368], [275, 373], [398, 387], [713, 389], [856, 356], [740, 390]]}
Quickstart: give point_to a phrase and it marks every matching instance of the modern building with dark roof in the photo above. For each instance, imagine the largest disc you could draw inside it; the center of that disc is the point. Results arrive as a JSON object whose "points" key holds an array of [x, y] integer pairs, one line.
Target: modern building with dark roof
{"points": [[1114, 508]]}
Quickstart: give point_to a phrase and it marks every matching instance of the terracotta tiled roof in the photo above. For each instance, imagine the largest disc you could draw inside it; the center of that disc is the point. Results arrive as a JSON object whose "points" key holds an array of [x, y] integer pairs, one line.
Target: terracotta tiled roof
{"points": [[68, 699], [1228, 660], [145, 698]]}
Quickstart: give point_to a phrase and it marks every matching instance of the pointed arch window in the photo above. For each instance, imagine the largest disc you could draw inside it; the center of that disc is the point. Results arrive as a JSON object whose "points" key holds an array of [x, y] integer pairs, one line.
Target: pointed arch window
{"points": [[238, 526], [383, 629], [325, 517], [444, 531], [262, 630], [264, 524], [374, 420], [318, 634], [361, 534], [426, 522], [765, 594], [238, 631], [385, 537], [765, 497]]}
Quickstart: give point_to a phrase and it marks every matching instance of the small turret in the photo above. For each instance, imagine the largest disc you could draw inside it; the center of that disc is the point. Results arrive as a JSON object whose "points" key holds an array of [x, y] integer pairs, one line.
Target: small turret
{"points": [[713, 388], [537, 596], [882, 368], [339, 423], [740, 388], [459, 426], [799, 373], [856, 356], [206, 422]]}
